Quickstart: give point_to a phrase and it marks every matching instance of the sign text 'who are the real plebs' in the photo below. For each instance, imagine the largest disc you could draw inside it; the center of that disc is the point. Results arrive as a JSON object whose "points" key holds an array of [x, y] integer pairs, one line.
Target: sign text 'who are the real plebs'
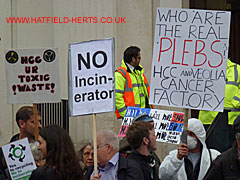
{"points": [[190, 58]]}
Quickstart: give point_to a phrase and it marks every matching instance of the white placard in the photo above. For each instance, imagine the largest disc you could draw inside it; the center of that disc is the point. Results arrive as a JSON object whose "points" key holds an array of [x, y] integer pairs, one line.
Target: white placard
{"points": [[19, 159], [91, 77], [190, 58], [32, 76], [168, 124]]}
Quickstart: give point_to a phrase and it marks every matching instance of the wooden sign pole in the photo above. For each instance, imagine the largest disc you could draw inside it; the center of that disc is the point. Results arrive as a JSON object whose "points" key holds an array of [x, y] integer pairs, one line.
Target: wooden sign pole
{"points": [[95, 144], [185, 126], [35, 113]]}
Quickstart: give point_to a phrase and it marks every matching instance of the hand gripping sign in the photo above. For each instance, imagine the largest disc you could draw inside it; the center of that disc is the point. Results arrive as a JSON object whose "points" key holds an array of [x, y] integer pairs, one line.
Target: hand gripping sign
{"points": [[91, 81]]}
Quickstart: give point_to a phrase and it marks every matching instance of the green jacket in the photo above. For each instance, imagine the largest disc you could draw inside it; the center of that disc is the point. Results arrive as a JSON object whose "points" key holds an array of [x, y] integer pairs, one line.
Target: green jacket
{"points": [[232, 96], [139, 88]]}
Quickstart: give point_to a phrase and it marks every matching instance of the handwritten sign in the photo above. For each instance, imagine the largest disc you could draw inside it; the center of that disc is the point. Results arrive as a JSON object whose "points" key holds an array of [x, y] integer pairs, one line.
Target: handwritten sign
{"points": [[168, 124], [32, 76], [91, 77], [190, 58], [19, 159]]}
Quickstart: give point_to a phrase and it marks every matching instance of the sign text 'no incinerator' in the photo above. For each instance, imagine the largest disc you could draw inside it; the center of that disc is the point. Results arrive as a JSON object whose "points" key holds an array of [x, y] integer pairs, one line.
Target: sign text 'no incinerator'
{"points": [[91, 77]]}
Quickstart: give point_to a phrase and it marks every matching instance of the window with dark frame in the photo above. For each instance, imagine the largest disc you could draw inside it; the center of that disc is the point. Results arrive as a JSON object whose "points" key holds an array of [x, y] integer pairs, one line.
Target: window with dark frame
{"points": [[55, 114]]}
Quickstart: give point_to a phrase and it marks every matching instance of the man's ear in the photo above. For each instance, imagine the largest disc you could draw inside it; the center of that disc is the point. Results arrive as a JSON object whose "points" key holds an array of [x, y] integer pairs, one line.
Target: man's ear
{"points": [[145, 141], [109, 148], [21, 123], [133, 59]]}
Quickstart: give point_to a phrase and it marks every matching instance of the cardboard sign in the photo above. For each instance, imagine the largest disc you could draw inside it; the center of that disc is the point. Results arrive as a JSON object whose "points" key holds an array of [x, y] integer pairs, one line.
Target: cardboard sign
{"points": [[32, 76], [19, 159], [190, 58], [168, 124], [91, 77]]}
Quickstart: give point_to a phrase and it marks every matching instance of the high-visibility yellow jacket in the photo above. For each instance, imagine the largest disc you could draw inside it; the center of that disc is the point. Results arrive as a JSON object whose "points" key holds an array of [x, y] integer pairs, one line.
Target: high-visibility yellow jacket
{"points": [[232, 96], [131, 89]]}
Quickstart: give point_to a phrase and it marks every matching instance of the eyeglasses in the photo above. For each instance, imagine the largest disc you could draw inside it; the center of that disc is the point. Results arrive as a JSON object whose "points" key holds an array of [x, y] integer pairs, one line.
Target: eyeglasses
{"points": [[102, 146]]}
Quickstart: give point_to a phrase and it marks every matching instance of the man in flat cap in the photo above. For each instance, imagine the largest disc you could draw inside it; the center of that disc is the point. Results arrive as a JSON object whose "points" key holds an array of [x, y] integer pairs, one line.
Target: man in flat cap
{"points": [[141, 137]]}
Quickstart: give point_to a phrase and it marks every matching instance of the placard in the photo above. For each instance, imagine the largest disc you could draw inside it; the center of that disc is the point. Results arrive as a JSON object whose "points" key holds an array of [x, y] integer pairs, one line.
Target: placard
{"points": [[32, 76], [91, 77], [19, 159], [168, 124], [190, 58]]}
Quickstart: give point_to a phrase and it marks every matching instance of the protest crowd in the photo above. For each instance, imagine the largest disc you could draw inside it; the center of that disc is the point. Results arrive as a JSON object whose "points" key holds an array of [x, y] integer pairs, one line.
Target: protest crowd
{"points": [[190, 70], [133, 156]]}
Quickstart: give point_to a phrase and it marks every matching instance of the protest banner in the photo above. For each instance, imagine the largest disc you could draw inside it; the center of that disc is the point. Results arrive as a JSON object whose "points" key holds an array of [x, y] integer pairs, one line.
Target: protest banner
{"points": [[190, 58], [32, 76], [19, 159], [91, 81], [168, 124], [91, 77]]}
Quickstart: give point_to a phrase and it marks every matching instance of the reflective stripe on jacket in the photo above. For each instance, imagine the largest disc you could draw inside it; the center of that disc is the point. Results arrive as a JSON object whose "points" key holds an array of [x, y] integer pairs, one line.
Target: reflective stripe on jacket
{"points": [[232, 96], [131, 89]]}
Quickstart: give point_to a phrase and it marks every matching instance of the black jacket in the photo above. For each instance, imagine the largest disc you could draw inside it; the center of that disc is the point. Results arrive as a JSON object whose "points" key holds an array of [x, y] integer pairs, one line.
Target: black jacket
{"points": [[42, 173], [4, 174], [126, 150], [15, 137], [127, 170], [143, 161], [225, 166]]}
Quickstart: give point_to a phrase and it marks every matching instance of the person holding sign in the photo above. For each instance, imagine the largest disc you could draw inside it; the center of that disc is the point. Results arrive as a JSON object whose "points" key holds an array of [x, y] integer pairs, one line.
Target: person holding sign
{"points": [[226, 165], [131, 85], [61, 160], [111, 164], [141, 136], [219, 134], [191, 160], [25, 122]]}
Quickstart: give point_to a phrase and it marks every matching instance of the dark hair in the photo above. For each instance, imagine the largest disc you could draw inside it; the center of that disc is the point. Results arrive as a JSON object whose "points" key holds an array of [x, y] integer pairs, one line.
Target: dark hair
{"points": [[130, 52], [137, 131], [24, 113], [84, 144], [236, 125], [61, 155]]}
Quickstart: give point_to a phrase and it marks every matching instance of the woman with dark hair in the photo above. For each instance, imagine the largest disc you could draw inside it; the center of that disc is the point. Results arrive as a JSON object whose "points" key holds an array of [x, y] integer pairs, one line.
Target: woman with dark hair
{"points": [[61, 160]]}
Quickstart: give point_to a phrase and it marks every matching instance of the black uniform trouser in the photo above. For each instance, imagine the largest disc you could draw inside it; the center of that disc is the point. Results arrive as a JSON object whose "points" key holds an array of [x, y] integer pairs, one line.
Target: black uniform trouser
{"points": [[221, 135]]}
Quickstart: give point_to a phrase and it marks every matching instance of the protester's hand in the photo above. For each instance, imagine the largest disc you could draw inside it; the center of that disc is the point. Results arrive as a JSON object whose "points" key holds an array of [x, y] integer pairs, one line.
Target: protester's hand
{"points": [[94, 177], [182, 151]]}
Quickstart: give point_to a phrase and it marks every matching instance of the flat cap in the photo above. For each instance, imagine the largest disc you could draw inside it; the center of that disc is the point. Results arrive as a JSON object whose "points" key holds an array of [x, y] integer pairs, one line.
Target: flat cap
{"points": [[143, 118]]}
